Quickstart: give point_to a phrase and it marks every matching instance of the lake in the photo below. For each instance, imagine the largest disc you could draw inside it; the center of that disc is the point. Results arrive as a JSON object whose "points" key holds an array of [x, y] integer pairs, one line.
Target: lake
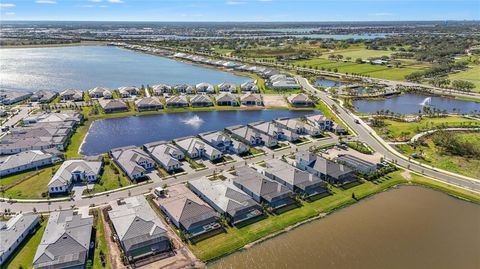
{"points": [[413, 103], [85, 67], [408, 227], [325, 83], [105, 134]]}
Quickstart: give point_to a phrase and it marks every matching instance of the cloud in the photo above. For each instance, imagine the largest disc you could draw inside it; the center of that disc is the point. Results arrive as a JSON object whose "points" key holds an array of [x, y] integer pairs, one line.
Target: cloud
{"points": [[46, 1], [87, 6], [95, 1], [6, 5], [10, 13], [265, 0], [116, 1], [235, 2], [381, 14]]}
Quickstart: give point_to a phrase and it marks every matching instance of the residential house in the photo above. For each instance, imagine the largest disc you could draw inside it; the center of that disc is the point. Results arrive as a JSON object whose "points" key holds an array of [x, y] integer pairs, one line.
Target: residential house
{"points": [[177, 101], [297, 126], [54, 116], [251, 99], [14, 231], [296, 180], [300, 100], [338, 129], [226, 99], [360, 165], [188, 212], [165, 154], [113, 105], [24, 161], [184, 88], [227, 199], [66, 241], [325, 169], [320, 121], [138, 229], [11, 97], [205, 87], [201, 100], [128, 91], [196, 148], [223, 142], [274, 130], [249, 86], [43, 96], [71, 95], [252, 136], [148, 104], [72, 171], [227, 87], [99, 92], [161, 89], [262, 189], [135, 162]]}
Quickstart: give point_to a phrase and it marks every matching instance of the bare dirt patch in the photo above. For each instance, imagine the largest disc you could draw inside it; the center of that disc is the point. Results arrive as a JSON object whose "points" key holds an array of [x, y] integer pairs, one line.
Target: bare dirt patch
{"points": [[274, 100]]}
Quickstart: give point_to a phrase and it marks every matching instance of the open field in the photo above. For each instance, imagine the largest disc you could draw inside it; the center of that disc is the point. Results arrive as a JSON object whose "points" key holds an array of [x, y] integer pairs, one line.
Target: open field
{"points": [[235, 238], [33, 187], [433, 155], [471, 74], [23, 257], [402, 131]]}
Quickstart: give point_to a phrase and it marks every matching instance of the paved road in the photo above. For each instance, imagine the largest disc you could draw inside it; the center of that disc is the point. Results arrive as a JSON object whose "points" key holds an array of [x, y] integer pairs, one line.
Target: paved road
{"points": [[157, 182], [367, 135]]}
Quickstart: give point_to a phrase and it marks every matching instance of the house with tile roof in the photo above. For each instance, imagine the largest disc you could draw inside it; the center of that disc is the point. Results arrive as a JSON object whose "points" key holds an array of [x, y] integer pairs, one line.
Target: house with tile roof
{"points": [[66, 241], [195, 148], [325, 169], [24, 161], [166, 154], [201, 100], [72, 171], [138, 228], [148, 104], [204, 87], [135, 162], [223, 142], [113, 105], [227, 199], [177, 101], [14, 231], [226, 99], [188, 212]]}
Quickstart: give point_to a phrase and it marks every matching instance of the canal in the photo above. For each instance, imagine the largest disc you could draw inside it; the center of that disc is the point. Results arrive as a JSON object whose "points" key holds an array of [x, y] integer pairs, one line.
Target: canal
{"points": [[85, 67], [105, 134], [408, 227]]}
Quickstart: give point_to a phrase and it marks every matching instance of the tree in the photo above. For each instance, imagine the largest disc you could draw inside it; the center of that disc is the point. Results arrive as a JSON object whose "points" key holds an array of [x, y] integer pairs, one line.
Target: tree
{"points": [[358, 60], [463, 85]]}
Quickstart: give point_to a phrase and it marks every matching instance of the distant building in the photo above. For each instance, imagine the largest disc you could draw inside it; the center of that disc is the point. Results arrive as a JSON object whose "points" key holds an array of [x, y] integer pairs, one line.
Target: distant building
{"points": [[201, 100], [128, 91], [252, 136], [113, 105], [250, 99], [24, 161], [223, 142], [14, 231], [249, 86], [177, 101], [11, 97], [357, 164], [196, 148], [166, 154], [139, 230], [325, 169], [300, 100], [320, 120], [148, 103], [66, 241], [184, 88], [99, 92], [43, 96], [226, 99], [205, 87], [227, 87], [161, 89], [71, 95]]}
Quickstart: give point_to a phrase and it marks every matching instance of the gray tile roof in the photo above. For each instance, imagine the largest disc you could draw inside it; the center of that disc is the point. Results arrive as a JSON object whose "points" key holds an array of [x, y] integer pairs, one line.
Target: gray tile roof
{"points": [[24, 158], [148, 102], [63, 176], [12, 230], [112, 104], [128, 158], [258, 184], [201, 99], [227, 87], [290, 174], [135, 222], [65, 242], [164, 153]]}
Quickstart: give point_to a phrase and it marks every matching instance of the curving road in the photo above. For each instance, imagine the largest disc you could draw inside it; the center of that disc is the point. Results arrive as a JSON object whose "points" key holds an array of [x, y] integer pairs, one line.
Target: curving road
{"points": [[367, 135]]}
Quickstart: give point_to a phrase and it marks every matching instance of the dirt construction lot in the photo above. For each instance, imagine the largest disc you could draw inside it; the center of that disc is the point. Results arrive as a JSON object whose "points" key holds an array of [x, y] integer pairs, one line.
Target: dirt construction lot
{"points": [[274, 100]]}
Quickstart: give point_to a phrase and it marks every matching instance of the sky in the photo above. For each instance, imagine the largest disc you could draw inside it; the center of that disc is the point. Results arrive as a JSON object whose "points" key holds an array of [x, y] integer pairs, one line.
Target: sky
{"points": [[239, 10]]}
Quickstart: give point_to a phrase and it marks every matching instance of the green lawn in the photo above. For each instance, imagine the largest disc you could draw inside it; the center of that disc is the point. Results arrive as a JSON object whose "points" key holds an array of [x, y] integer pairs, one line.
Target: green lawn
{"points": [[101, 243], [433, 155], [471, 74], [109, 180], [399, 131], [6, 181], [235, 238], [33, 187], [360, 52], [23, 257]]}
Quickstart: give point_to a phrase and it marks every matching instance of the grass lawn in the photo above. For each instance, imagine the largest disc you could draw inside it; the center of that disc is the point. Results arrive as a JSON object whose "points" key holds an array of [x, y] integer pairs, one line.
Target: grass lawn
{"points": [[471, 74], [8, 180], [23, 256], [235, 238], [33, 187], [433, 155], [401, 131], [101, 243], [360, 147], [360, 52], [109, 180]]}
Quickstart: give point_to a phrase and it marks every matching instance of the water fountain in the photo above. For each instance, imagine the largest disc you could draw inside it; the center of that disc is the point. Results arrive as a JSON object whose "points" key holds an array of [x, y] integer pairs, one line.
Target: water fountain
{"points": [[194, 121], [426, 102]]}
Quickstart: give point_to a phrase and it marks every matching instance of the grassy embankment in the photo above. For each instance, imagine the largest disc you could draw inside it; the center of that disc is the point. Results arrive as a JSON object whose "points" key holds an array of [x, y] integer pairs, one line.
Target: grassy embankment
{"points": [[471, 74], [401, 131], [31, 188], [23, 256], [235, 238], [431, 154]]}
